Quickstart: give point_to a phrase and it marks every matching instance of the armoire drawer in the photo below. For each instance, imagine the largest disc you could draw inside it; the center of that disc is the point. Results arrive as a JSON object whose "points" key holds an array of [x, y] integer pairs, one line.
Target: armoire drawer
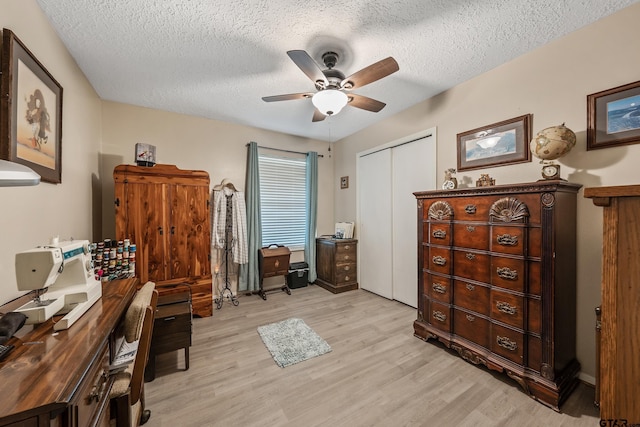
{"points": [[471, 235], [508, 343], [471, 296], [471, 327], [508, 240], [438, 288], [507, 308], [345, 273], [438, 259], [472, 265], [440, 316], [508, 273]]}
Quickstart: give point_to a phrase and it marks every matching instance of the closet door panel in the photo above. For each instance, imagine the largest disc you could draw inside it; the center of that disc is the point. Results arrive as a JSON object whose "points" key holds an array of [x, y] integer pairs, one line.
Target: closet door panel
{"points": [[374, 192], [413, 169]]}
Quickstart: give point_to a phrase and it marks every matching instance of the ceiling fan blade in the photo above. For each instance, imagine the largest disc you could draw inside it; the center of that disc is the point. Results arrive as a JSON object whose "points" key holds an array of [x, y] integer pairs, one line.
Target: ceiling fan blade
{"points": [[308, 66], [318, 116], [370, 74], [365, 103], [286, 97]]}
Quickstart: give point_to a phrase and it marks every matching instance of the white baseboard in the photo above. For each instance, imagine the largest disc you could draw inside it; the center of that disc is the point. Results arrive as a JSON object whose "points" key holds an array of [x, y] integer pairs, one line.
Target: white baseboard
{"points": [[587, 378]]}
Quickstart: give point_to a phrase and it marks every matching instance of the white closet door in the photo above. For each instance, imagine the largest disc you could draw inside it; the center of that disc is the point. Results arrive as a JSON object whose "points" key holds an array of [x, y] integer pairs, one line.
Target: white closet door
{"points": [[374, 241], [413, 167]]}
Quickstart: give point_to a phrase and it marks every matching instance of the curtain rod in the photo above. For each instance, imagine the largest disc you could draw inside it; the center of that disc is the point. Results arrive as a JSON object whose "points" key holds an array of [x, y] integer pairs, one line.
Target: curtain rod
{"points": [[285, 151]]}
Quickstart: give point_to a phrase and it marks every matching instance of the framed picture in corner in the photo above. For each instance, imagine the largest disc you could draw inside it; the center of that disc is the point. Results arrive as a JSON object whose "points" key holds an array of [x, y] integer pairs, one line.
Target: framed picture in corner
{"points": [[31, 123]]}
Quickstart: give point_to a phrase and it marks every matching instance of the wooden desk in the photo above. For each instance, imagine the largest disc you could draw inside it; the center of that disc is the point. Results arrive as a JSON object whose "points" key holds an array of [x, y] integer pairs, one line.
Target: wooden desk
{"points": [[61, 379], [620, 342]]}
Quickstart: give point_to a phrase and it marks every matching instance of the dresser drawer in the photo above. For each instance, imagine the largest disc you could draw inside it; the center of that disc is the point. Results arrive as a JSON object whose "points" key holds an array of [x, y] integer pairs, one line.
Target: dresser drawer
{"points": [[440, 316], [507, 273], [346, 252], [437, 233], [438, 259], [508, 240], [507, 308], [172, 327], [346, 273], [471, 265], [507, 343], [93, 395], [471, 327], [472, 209], [471, 296], [471, 235], [438, 287]]}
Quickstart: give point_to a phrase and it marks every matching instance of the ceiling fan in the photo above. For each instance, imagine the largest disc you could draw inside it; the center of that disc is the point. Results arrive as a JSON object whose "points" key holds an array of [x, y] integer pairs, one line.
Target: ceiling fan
{"points": [[333, 88]]}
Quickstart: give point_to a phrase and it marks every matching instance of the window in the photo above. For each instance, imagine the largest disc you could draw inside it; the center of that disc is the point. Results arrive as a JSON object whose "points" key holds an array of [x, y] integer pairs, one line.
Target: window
{"points": [[282, 201]]}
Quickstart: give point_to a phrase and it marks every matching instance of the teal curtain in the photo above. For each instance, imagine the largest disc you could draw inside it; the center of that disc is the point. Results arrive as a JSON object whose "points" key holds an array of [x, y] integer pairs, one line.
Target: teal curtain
{"points": [[312, 213], [249, 273]]}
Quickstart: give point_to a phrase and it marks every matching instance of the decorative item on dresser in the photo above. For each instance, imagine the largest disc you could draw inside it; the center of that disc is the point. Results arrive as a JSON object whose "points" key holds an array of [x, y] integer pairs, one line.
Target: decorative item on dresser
{"points": [[619, 371], [336, 262], [165, 210], [497, 280]]}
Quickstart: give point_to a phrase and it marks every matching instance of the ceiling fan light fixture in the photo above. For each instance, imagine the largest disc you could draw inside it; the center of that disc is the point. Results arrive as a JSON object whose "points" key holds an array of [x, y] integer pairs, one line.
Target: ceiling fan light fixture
{"points": [[329, 101]]}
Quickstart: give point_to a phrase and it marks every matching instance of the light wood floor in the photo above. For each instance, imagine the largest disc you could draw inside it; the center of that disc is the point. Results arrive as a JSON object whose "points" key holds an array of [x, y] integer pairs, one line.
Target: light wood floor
{"points": [[378, 373]]}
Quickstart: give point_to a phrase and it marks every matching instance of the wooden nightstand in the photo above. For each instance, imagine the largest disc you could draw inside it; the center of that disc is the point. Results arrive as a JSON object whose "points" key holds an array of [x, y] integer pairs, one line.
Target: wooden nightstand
{"points": [[336, 263], [171, 329]]}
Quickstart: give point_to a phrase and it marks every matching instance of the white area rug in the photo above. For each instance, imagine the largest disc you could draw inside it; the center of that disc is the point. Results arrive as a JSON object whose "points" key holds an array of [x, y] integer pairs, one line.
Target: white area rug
{"points": [[292, 341]]}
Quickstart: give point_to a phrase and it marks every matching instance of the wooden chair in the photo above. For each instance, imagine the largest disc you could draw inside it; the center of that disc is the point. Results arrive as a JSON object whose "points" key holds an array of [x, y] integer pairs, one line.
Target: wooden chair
{"points": [[127, 392]]}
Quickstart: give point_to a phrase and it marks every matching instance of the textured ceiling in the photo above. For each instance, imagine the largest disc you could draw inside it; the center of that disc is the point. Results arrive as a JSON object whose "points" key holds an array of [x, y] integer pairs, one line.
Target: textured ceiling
{"points": [[217, 59]]}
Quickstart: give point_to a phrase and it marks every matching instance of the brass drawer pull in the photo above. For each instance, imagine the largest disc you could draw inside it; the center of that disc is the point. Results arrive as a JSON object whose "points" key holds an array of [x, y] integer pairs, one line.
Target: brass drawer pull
{"points": [[470, 256], [505, 342], [507, 273], [471, 228], [507, 240], [346, 278], [347, 247], [438, 315], [470, 209], [437, 287], [347, 268], [506, 307], [438, 260], [471, 287], [470, 318], [439, 234], [346, 257], [167, 319]]}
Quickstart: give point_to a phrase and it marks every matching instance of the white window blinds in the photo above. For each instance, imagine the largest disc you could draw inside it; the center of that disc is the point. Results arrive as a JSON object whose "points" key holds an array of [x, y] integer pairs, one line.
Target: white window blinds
{"points": [[282, 200]]}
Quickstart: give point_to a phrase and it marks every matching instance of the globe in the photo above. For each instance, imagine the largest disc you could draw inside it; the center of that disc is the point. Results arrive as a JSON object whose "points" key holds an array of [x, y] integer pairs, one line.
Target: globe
{"points": [[553, 142]]}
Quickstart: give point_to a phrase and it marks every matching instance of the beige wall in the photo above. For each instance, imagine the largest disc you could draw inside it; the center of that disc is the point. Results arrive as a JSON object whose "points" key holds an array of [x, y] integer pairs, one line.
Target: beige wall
{"points": [[552, 83], [31, 215]]}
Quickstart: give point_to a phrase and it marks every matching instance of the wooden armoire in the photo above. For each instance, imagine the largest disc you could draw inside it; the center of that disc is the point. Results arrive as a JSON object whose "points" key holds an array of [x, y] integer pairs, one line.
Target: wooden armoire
{"points": [[497, 280], [164, 211]]}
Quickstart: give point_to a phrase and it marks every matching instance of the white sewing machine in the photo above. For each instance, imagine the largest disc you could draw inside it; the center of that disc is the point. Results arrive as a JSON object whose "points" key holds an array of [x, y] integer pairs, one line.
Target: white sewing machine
{"points": [[64, 272]]}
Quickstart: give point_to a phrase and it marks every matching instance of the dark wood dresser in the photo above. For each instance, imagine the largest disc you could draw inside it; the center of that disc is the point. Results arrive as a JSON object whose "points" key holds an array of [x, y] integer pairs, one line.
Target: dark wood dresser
{"points": [[336, 264], [61, 378], [620, 341], [497, 280]]}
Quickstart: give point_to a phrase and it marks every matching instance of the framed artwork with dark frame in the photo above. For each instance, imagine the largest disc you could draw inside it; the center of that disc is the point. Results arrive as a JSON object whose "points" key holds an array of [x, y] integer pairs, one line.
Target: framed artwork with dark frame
{"points": [[31, 107], [498, 144], [344, 182], [613, 117]]}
